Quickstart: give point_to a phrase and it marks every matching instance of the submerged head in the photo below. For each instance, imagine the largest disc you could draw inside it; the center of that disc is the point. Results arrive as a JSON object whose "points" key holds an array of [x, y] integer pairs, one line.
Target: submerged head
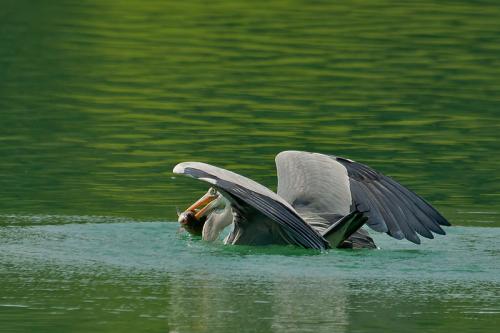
{"points": [[208, 216]]}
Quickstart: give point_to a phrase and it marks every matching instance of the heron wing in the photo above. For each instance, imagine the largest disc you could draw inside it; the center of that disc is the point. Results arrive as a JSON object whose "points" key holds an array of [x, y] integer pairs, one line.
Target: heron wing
{"points": [[330, 184], [245, 191]]}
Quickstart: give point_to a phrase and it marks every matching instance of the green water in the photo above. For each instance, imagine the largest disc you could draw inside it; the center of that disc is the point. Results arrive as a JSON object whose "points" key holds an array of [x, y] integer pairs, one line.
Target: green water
{"points": [[129, 276], [100, 99]]}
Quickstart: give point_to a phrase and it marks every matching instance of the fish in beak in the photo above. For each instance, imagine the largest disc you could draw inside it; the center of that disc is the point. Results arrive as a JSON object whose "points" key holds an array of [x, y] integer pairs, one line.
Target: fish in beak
{"points": [[193, 218]]}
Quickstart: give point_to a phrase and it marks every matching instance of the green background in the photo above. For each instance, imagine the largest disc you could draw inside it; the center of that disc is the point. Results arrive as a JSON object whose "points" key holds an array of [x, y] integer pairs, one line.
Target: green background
{"points": [[100, 99]]}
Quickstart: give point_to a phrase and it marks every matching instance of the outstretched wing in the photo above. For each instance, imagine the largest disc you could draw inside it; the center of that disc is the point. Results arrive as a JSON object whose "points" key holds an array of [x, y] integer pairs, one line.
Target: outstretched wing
{"points": [[329, 184], [247, 191]]}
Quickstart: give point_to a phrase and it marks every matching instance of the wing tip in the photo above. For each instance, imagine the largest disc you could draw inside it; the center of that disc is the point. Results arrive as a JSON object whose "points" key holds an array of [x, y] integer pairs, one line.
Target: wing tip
{"points": [[398, 234], [444, 222], [430, 235], [415, 240], [179, 168], [183, 167]]}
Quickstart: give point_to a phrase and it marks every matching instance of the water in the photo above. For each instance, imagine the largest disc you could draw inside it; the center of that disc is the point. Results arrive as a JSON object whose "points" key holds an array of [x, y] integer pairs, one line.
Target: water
{"points": [[98, 275], [99, 100]]}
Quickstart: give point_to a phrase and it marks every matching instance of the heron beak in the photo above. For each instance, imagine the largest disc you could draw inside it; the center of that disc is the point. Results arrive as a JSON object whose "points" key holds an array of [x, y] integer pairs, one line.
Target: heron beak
{"points": [[203, 201]]}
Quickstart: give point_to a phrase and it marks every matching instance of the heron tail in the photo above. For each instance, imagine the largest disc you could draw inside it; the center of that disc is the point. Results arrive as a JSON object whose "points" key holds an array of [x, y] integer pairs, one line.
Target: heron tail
{"points": [[339, 231]]}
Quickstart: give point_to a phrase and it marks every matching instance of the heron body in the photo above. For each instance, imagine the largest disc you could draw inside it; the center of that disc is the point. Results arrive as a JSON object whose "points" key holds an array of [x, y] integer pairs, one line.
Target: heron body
{"points": [[322, 202]]}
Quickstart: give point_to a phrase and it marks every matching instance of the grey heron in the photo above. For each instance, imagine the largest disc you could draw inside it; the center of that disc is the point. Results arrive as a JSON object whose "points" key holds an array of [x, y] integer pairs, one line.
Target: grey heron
{"points": [[322, 202]]}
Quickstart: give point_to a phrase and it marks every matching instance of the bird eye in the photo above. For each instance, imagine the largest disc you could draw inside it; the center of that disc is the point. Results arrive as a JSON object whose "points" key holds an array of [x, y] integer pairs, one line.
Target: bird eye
{"points": [[213, 191]]}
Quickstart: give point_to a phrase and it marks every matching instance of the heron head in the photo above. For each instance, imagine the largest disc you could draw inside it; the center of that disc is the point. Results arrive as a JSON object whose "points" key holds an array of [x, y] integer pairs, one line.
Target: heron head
{"points": [[208, 216]]}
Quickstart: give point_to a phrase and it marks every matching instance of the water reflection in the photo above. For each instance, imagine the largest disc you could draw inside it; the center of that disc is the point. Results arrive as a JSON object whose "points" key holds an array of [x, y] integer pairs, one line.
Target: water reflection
{"points": [[261, 305]]}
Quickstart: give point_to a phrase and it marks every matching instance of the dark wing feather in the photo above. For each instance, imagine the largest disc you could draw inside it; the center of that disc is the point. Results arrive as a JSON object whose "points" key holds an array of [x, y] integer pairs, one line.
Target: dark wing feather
{"points": [[400, 209], [244, 191]]}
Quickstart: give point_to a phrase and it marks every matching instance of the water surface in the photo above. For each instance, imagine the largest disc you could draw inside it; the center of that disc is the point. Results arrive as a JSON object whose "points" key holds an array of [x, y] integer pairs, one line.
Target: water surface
{"points": [[100, 99], [122, 275]]}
